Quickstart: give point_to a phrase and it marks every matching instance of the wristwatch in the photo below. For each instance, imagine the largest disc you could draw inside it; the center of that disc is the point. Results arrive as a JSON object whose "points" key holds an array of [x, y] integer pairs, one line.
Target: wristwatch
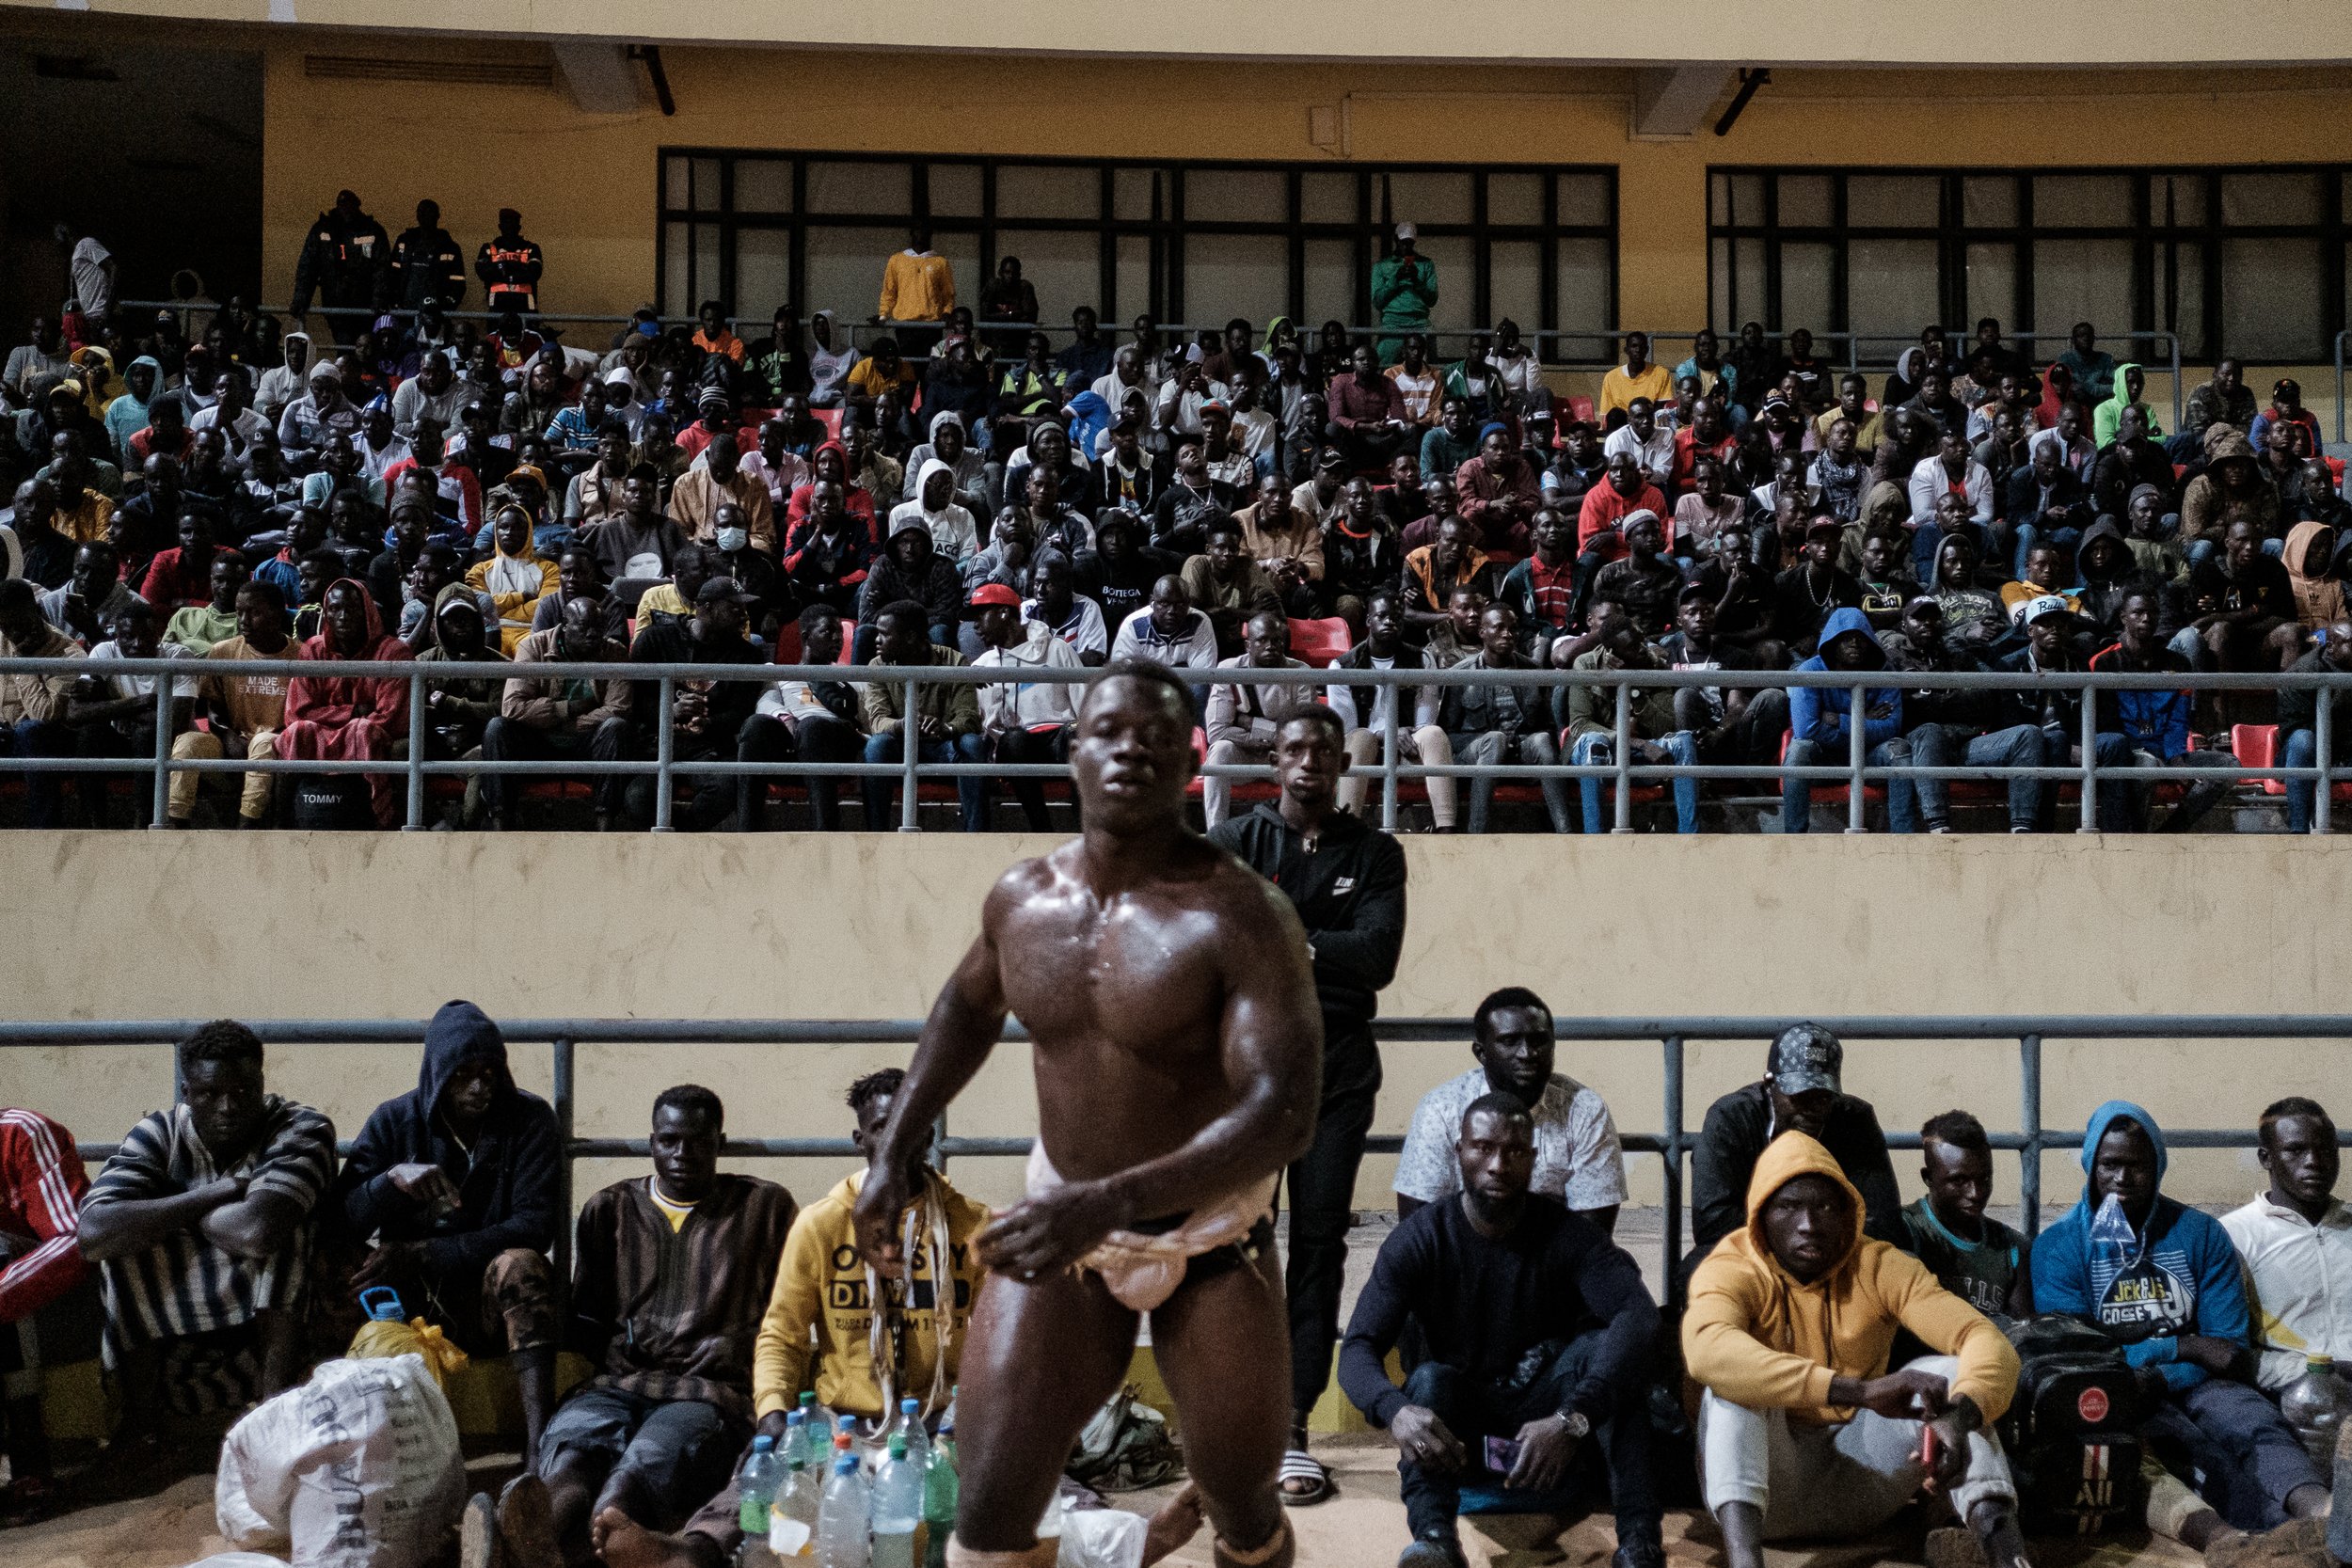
{"points": [[1580, 1426]]}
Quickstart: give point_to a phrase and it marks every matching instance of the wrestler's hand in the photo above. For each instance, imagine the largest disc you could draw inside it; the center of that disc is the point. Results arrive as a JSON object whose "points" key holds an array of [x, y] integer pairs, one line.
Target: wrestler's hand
{"points": [[1422, 1438], [1544, 1449], [1052, 1231], [879, 1202]]}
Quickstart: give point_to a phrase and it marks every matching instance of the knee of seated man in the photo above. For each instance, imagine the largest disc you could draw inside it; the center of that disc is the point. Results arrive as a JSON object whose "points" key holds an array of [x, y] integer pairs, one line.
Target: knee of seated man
{"points": [[1433, 1385], [519, 1269]]}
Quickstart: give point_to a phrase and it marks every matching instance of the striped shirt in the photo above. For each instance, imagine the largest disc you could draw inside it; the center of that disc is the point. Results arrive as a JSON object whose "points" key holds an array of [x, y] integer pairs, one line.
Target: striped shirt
{"points": [[184, 1285], [673, 1314], [41, 1185]]}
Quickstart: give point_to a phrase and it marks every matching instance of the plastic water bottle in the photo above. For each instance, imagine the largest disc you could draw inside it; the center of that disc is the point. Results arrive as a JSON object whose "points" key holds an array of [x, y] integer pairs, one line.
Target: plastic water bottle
{"points": [[909, 1426], [820, 1432], [792, 1518], [939, 1496], [897, 1508], [755, 1484], [844, 1518], [794, 1449], [2315, 1406]]}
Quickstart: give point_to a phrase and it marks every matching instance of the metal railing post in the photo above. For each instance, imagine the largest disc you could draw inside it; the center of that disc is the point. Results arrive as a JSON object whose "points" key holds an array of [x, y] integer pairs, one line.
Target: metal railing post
{"points": [[161, 782], [910, 757], [1624, 761], [1857, 751], [415, 754], [1672, 1138], [2089, 731], [2322, 733], [664, 753], [565, 1093], [1390, 755], [2029, 1108], [2174, 338]]}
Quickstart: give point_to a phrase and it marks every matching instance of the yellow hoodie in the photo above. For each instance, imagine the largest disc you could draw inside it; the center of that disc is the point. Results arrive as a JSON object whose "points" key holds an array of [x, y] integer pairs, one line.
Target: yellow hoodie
{"points": [[821, 1284], [1758, 1337]]}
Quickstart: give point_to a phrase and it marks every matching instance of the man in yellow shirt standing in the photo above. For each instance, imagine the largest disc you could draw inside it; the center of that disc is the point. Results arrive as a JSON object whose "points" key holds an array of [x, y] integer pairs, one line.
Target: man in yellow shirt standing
{"points": [[918, 285], [1636, 378], [858, 1362]]}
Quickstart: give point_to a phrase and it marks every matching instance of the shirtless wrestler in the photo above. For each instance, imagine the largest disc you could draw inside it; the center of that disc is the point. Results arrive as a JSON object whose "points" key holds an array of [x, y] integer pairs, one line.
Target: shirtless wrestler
{"points": [[1178, 1045]]}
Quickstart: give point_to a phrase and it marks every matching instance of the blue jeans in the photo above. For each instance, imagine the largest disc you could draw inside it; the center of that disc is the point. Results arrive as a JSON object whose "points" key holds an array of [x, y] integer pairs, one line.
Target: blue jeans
{"points": [[1796, 795], [1682, 746], [2302, 750], [44, 793], [2028, 535], [2112, 751], [1950, 745], [971, 790]]}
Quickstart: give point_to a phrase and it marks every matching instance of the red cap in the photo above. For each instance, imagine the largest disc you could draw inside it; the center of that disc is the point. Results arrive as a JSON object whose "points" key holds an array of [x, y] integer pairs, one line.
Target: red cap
{"points": [[994, 594]]}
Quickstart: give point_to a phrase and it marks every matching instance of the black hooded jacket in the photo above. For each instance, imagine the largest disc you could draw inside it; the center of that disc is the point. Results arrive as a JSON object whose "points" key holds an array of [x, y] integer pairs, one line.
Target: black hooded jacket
{"points": [[506, 1186]]}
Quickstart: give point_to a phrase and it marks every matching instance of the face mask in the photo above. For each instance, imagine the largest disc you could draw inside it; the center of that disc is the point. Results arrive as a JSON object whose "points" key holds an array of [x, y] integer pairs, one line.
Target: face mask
{"points": [[734, 539]]}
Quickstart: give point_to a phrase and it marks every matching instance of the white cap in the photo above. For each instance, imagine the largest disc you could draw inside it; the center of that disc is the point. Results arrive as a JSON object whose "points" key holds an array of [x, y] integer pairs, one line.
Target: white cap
{"points": [[1406, 231], [2040, 605]]}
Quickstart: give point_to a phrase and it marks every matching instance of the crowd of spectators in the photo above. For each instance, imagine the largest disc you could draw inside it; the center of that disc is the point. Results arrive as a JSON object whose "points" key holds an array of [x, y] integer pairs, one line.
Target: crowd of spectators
{"points": [[954, 492]]}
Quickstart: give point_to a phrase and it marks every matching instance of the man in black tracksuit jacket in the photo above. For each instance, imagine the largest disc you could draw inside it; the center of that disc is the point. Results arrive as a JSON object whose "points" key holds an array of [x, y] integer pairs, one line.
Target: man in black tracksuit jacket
{"points": [[1347, 883]]}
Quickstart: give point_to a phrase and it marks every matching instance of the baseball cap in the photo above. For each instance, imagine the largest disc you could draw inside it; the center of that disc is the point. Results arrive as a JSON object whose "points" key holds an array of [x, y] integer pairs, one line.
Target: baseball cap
{"points": [[1829, 526], [1918, 602], [1406, 231], [618, 376], [1803, 1058], [2038, 606], [992, 593], [722, 590]]}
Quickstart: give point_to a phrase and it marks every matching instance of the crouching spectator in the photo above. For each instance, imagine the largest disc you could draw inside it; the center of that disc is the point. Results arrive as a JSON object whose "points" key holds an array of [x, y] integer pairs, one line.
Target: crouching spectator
{"points": [[48, 1296], [1539, 1332], [1802, 1429], [455, 1184]]}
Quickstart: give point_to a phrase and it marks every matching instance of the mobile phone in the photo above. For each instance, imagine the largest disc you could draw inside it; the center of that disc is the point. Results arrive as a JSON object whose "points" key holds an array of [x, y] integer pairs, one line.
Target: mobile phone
{"points": [[1502, 1455]]}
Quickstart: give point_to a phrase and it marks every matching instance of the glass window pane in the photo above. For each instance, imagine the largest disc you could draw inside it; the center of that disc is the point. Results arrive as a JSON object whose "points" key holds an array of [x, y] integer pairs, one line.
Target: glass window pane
{"points": [[2082, 201], [705, 177], [955, 190], [1717, 279], [2269, 198], [2270, 299], [845, 268], [705, 243], [1748, 303], [1426, 199], [885, 189], [1891, 201], [1236, 196], [1132, 194], [1988, 202], [675, 295], [1457, 282], [674, 183], [763, 272], [1991, 282], [2077, 280], [1804, 288], [1890, 290], [1048, 191], [1516, 199], [763, 185], [1134, 279], [1515, 286], [1065, 268], [1235, 274], [1330, 285], [962, 250], [2181, 293], [1804, 202], [1583, 200], [2177, 200], [1741, 199], [1327, 198], [1584, 290]]}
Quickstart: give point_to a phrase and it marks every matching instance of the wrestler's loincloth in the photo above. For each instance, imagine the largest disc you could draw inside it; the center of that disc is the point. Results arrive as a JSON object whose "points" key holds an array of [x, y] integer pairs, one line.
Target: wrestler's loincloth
{"points": [[1142, 1267]]}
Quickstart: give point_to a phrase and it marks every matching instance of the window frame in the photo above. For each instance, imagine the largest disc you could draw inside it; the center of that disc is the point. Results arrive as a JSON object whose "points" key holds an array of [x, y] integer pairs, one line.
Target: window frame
{"points": [[1165, 230]]}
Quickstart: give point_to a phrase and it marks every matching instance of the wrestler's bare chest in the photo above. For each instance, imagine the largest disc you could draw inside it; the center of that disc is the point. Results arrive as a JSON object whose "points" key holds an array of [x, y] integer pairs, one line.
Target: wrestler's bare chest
{"points": [[1137, 972]]}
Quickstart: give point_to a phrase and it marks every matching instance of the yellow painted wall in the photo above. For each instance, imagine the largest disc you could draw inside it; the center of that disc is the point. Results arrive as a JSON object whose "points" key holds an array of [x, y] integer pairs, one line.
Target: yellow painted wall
{"points": [[786, 926]]}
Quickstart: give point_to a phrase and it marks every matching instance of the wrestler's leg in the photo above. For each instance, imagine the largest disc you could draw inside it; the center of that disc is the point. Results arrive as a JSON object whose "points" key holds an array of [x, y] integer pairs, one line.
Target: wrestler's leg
{"points": [[1223, 1346], [1041, 1358]]}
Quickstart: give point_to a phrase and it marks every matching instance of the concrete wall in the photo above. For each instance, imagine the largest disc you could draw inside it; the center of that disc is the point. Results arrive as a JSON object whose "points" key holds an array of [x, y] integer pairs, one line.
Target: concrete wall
{"points": [[146, 926]]}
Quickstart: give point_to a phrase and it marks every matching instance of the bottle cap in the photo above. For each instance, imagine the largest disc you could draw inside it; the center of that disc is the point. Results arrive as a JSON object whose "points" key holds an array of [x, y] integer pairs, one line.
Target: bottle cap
{"points": [[908, 1407], [845, 1466], [841, 1442], [808, 1397], [762, 1443], [845, 1423], [796, 1417]]}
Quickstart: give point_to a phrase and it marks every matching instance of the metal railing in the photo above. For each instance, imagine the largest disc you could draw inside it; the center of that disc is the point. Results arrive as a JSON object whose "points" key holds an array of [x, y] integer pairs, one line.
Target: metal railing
{"points": [[1671, 1143], [665, 767]]}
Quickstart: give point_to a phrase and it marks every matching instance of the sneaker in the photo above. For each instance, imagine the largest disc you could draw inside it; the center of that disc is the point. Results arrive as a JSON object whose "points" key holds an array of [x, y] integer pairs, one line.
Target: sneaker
{"points": [[1639, 1554], [1434, 1550]]}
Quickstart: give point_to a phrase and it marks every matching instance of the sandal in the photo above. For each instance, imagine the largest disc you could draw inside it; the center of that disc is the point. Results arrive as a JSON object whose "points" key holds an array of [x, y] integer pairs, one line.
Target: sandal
{"points": [[1305, 1472]]}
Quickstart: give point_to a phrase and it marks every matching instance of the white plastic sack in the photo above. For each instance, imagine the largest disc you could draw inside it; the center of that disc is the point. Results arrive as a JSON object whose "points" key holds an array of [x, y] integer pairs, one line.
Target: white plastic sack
{"points": [[1101, 1538], [239, 1560], [359, 1468]]}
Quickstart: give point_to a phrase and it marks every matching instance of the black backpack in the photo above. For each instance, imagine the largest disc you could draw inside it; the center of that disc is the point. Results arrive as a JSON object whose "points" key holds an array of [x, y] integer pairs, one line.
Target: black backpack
{"points": [[2073, 1430]]}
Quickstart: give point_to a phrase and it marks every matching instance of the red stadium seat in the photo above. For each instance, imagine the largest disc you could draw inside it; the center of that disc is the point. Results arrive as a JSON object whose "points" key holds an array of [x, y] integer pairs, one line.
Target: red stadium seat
{"points": [[2257, 746], [1321, 642]]}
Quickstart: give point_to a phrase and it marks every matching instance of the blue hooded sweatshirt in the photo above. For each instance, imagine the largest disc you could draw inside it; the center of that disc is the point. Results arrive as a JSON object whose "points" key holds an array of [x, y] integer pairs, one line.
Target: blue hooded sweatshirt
{"points": [[2178, 1276], [506, 1184], [1819, 713]]}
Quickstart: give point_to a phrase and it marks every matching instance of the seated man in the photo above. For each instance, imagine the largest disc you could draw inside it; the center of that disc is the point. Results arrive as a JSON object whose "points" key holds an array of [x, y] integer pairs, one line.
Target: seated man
{"points": [[1802, 1429], [1800, 1091], [1368, 711], [2163, 1279], [2298, 723], [540, 718], [200, 1225], [1578, 1160], [456, 1183], [1504, 720], [1243, 720], [819, 1339], [1656, 735], [2295, 1241], [1979, 1260], [946, 720], [48, 1307], [670, 1274], [1503, 1283], [1819, 717], [810, 721], [244, 711]]}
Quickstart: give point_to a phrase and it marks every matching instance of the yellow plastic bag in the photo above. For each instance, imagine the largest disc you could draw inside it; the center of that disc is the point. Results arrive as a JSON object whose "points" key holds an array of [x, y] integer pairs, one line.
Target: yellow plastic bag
{"points": [[386, 1337]]}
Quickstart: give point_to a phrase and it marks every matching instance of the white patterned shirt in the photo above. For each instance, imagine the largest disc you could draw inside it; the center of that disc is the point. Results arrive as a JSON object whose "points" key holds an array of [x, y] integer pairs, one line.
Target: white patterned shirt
{"points": [[1577, 1157]]}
